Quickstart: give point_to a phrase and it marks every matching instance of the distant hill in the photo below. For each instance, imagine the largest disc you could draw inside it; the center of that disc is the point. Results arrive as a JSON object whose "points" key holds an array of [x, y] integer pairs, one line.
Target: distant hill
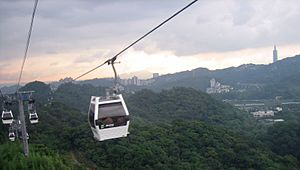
{"points": [[77, 95], [234, 76], [273, 78], [185, 104], [9, 89], [42, 92], [249, 75], [104, 82]]}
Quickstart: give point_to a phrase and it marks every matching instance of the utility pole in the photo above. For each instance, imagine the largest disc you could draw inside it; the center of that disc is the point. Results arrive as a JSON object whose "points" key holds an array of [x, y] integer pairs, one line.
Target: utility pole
{"points": [[24, 96]]}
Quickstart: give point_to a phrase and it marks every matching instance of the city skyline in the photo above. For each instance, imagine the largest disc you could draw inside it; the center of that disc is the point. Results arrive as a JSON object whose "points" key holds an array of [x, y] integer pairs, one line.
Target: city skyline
{"points": [[69, 39]]}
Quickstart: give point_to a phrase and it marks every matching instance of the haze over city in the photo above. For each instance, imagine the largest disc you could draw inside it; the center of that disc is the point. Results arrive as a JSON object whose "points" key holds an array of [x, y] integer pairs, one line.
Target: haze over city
{"points": [[71, 37]]}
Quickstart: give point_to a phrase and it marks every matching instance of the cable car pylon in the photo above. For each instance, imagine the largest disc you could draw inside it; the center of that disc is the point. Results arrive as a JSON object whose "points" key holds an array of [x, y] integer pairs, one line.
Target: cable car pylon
{"points": [[23, 125], [24, 96]]}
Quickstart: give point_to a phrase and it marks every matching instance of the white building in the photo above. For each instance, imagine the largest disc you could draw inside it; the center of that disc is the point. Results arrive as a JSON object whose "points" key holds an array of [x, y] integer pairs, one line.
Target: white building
{"points": [[278, 109], [259, 114], [136, 81], [216, 87], [155, 75]]}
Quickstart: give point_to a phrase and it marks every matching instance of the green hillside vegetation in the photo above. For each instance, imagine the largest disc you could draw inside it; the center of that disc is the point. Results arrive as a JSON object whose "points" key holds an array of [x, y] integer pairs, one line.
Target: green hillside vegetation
{"points": [[40, 158], [249, 73], [56, 124], [42, 91], [179, 128], [166, 106], [287, 88], [77, 96], [187, 104], [283, 139], [180, 145]]}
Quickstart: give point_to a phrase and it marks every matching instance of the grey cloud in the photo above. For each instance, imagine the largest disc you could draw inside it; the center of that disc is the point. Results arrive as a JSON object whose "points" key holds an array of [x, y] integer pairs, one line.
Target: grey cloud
{"points": [[60, 26], [261, 24], [7, 77], [86, 59], [208, 26], [243, 13], [100, 55], [51, 52]]}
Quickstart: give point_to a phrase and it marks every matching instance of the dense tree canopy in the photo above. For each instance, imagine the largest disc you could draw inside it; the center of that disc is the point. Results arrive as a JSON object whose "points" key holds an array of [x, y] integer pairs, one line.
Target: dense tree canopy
{"points": [[179, 128], [40, 158]]}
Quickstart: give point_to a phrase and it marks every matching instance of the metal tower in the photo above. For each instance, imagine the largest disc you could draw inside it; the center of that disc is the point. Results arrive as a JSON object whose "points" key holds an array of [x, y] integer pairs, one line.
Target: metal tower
{"points": [[24, 96]]}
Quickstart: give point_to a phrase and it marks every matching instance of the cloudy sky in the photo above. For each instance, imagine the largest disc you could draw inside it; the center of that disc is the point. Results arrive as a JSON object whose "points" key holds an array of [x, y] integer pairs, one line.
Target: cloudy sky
{"points": [[71, 36]]}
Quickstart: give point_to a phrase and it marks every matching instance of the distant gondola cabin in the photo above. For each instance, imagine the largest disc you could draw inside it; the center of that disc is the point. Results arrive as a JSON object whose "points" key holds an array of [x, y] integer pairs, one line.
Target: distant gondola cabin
{"points": [[33, 118], [7, 117]]}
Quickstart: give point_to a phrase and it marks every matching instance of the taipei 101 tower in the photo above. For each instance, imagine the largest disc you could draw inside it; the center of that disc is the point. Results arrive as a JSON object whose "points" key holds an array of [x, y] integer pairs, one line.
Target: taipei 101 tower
{"points": [[275, 56]]}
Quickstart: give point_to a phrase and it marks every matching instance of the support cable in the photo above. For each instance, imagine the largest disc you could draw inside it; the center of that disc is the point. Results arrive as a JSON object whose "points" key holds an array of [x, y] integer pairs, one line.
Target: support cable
{"points": [[132, 44], [27, 44]]}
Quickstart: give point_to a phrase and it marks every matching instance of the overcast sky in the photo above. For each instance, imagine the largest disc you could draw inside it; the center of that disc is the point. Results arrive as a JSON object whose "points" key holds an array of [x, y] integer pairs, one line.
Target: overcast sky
{"points": [[71, 36]]}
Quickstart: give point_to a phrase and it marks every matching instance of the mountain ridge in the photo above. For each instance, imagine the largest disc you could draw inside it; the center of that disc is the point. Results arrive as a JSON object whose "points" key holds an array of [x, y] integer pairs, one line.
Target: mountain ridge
{"points": [[261, 74]]}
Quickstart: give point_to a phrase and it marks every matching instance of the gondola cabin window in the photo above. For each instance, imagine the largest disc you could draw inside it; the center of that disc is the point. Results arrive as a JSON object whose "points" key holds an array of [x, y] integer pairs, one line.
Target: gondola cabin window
{"points": [[111, 115]]}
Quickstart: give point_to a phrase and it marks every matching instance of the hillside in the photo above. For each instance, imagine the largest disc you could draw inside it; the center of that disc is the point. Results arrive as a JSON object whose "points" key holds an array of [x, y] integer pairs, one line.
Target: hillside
{"points": [[180, 145], [179, 128], [9, 89], [261, 81], [40, 157], [244, 74], [186, 104], [166, 106], [76, 95], [256, 81]]}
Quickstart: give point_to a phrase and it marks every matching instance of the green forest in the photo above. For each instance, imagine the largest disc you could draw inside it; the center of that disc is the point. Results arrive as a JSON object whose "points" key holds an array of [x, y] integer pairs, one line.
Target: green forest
{"points": [[179, 128]]}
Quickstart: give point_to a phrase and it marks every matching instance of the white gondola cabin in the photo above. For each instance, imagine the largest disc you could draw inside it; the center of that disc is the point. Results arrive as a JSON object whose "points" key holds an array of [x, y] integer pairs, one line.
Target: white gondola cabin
{"points": [[33, 118], [11, 136], [108, 117], [7, 117]]}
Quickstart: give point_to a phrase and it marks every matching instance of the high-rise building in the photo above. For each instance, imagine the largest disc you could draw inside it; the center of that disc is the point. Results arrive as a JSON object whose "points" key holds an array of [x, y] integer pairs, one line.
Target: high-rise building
{"points": [[213, 82], [275, 55], [135, 80], [155, 75]]}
